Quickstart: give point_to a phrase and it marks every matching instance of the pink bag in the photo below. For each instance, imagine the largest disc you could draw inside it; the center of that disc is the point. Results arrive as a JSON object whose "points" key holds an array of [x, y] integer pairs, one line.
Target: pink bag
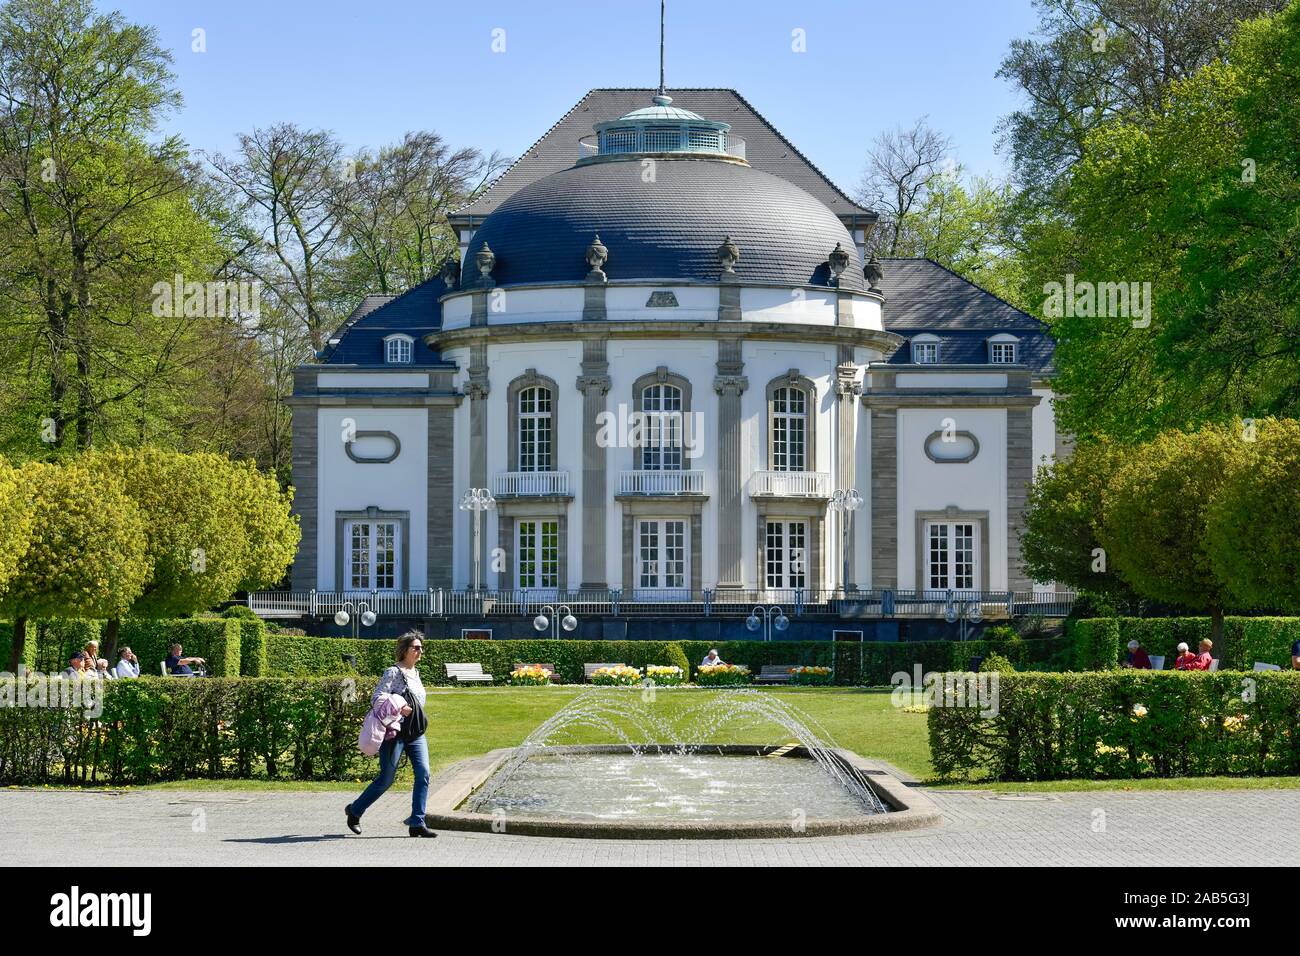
{"points": [[382, 723]]}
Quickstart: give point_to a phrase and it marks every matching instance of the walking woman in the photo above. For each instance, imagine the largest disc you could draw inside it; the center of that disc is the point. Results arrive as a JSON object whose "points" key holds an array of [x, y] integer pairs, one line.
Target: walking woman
{"points": [[403, 680]]}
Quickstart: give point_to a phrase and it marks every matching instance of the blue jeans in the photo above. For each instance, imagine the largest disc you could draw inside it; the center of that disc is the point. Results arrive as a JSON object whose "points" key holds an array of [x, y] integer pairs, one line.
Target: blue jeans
{"points": [[389, 753]]}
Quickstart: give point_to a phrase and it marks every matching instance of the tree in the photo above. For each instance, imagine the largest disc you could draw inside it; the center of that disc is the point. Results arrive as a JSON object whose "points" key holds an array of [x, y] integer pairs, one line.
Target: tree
{"points": [[1154, 524], [269, 527], [901, 165], [87, 556], [15, 523], [1061, 540], [1252, 528]]}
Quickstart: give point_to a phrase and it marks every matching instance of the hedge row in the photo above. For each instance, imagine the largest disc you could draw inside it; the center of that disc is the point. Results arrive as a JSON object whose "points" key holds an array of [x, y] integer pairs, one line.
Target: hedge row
{"points": [[159, 730], [1100, 643], [1123, 724]]}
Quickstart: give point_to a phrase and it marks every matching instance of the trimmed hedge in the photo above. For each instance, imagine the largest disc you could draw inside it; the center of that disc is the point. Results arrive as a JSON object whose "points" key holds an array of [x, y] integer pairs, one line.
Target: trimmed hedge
{"points": [[217, 640], [1100, 643], [1123, 724], [158, 730], [50, 641]]}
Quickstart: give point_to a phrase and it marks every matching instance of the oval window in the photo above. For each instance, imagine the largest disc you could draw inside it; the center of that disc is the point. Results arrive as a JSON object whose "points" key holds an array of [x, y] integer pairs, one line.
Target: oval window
{"points": [[951, 447]]}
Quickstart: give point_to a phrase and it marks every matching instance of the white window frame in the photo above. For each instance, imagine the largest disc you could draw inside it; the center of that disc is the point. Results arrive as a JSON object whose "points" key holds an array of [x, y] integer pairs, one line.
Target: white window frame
{"points": [[662, 446], [790, 429], [536, 429], [1004, 342], [926, 350], [535, 571], [786, 556], [662, 558], [950, 555], [397, 346], [378, 560]]}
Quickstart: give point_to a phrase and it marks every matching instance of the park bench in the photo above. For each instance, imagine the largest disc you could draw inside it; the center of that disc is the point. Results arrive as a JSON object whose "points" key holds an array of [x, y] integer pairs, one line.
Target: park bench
{"points": [[467, 674], [1261, 666], [1157, 662], [774, 674], [589, 669], [549, 668], [1214, 664]]}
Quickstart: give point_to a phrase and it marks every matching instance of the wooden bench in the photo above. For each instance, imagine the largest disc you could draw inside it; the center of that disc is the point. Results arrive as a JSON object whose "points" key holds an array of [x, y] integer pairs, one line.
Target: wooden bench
{"points": [[589, 669], [467, 674], [549, 668], [775, 674]]}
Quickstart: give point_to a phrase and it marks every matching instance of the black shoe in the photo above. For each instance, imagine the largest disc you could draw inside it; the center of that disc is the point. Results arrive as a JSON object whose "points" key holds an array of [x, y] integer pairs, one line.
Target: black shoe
{"points": [[421, 831], [354, 822]]}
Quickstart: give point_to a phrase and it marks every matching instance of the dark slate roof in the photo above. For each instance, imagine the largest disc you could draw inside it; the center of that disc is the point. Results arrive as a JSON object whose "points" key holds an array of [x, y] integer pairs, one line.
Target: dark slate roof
{"points": [[923, 296], [765, 148], [415, 312], [667, 229]]}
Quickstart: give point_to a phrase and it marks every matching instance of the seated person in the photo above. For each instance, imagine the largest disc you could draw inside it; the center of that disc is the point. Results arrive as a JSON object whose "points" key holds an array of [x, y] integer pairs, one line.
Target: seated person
{"points": [[1185, 659], [91, 653], [101, 670], [712, 659], [128, 666], [179, 666], [1137, 657], [76, 668], [1203, 659]]}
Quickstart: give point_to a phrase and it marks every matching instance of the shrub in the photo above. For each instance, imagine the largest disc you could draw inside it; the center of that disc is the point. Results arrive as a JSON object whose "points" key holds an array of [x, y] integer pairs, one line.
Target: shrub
{"points": [[1123, 723], [158, 730], [530, 675], [218, 640], [620, 675], [722, 675], [995, 662], [811, 676], [1096, 644]]}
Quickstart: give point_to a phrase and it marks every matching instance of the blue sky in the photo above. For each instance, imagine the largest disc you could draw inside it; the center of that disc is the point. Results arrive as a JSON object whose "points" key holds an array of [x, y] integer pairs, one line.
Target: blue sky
{"points": [[372, 71]]}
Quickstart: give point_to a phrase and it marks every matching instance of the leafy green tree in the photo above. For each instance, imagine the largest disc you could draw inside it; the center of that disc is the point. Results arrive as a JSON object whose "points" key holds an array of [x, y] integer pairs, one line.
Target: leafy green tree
{"points": [[270, 529], [1154, 522], [1253, 526], [87, 556], [15, 522]]}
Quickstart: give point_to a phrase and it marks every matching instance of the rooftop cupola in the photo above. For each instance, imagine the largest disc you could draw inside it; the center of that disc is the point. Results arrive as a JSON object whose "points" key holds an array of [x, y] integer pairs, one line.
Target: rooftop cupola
{"points": [[664, 129]]}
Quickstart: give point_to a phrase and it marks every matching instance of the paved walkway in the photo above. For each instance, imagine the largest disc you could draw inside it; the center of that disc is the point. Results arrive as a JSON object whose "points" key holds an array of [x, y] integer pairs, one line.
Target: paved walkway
{"points": [[306, 829]]}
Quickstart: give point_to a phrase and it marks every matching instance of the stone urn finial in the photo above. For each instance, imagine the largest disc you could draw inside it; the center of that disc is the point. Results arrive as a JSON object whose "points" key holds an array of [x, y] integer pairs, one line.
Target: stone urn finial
{"points": [[874, 272], [450, 273], [728, 255], [486, 260], [839, 261], [597, 255]]}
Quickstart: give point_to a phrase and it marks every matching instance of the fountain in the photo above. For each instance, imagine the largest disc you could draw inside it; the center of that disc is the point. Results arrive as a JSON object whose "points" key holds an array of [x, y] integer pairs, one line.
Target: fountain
{"points": [[615, 762]]}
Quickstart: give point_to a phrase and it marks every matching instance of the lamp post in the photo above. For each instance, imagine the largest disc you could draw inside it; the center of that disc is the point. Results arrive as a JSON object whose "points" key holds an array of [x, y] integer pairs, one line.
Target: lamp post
{"points": [[477, 500], [773, 617], [562, 619], [844, 502], [964, 611], [366, 616]]}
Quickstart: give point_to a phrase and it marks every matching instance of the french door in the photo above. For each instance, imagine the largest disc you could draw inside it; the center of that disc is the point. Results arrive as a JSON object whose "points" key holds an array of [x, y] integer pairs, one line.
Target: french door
{"points": [[950, 555], [785, 550], [373, 549], [538, 547], [662, 567]]}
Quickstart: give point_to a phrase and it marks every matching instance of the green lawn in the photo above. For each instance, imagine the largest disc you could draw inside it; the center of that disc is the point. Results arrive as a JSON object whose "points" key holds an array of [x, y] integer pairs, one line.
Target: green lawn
{"points": [[465, 722]]}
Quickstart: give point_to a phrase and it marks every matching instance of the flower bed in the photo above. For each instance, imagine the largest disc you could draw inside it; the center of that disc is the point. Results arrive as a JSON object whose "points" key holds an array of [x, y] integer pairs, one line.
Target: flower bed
{"points": [[722, 675], [665, 675], [618, 676], [531, 675], [810, 676]]}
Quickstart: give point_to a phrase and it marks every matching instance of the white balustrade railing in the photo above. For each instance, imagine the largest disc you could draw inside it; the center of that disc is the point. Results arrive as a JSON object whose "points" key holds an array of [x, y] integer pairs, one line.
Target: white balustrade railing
{"points": [[791, 484], [515, 484], [661, 483]]}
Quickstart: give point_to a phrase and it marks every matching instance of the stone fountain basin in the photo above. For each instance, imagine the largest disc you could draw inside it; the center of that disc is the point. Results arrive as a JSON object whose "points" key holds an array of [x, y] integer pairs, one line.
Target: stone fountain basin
{"points": [[908, 808]]}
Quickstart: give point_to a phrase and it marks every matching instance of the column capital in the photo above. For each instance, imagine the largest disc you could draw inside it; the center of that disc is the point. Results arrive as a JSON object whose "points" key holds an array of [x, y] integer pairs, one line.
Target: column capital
{"points": [[477, 388], [593, 383], [730, 384]]}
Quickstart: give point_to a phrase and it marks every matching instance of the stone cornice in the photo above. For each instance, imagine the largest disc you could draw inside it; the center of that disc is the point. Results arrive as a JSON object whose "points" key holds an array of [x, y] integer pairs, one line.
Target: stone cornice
{"points": [[923, 399], [885, 342], [365, 399]]}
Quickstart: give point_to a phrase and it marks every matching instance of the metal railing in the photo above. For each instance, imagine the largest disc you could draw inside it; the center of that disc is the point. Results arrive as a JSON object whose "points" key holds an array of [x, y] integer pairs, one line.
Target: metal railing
{"points": [[519, 484], [865, 602], [661, 483], [791, 484]]}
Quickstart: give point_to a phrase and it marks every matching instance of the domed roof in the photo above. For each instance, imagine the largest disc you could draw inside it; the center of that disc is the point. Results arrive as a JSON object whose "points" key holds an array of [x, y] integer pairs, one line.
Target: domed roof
{"points": [[667, 229], [659, 112]]}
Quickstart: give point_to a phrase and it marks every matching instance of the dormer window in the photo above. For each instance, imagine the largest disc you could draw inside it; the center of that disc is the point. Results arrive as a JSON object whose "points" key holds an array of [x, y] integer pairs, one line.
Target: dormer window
{"points": [[925, 350], [1003, 350], [397, 349]]}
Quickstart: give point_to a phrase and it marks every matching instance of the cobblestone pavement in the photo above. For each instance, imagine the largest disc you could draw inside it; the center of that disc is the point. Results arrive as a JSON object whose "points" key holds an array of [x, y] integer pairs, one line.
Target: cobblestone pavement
{"points": [[306, 829]]}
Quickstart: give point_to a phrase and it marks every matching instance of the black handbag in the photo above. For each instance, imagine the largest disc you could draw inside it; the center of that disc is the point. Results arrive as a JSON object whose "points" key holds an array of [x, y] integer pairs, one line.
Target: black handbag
{"points": [[414, 724]]}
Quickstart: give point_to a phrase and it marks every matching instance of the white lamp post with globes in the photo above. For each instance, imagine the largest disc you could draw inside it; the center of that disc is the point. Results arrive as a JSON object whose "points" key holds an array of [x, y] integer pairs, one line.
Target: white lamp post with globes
{"points": [[477, 500], [844, 502]]}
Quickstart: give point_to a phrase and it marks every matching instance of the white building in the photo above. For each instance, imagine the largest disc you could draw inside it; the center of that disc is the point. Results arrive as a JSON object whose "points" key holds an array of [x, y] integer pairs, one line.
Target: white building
{"points": [[664, 356]]}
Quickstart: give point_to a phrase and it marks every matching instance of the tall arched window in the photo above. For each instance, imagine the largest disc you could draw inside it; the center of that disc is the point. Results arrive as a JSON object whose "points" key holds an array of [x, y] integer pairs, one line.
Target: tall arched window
{"points": [[536, 429], [661, 440], [790, 429]]}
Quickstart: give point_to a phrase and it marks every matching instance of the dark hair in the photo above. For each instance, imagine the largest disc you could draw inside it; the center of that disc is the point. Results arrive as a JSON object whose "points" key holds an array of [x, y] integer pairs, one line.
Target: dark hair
{"points": [[404, 643]]}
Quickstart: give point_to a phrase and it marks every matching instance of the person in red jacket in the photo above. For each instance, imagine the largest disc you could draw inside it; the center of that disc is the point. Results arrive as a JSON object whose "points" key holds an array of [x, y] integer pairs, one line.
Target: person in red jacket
{"points": [[1185, 660], [1203, 659], [1137, 657]]}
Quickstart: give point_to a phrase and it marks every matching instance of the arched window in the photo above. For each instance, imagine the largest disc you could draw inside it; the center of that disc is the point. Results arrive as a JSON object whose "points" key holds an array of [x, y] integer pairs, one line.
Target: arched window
{"points": [[925, 349], [536, 429], [790, 429], [661, 439], [397, 349]]}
